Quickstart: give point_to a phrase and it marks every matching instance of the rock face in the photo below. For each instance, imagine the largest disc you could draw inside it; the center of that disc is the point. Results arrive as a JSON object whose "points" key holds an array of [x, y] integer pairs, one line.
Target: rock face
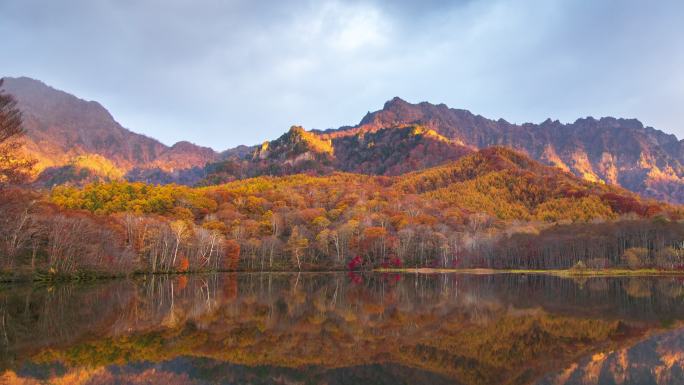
{"points": [[64, 131], [394, 151], [615, 151], [387, 151]]}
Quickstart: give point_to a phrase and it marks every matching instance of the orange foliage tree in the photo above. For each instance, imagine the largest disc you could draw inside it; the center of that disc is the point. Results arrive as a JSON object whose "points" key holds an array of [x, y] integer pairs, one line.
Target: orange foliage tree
{"points": [[232, 259]]}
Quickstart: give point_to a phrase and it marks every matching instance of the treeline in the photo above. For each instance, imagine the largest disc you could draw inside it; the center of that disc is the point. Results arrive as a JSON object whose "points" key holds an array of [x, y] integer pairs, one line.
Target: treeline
{"points": [[630, 243], [290, 225], [36, 236]]}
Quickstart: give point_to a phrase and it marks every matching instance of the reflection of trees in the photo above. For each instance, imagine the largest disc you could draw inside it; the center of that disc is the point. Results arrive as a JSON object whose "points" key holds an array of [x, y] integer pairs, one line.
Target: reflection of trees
{"points": [[630, 298], [468, 326], [37, 317]]}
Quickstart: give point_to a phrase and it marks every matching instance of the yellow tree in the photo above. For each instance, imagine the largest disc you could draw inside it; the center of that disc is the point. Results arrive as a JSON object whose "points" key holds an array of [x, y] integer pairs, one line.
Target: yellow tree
{"points": [[180, 231], [296, 244]]}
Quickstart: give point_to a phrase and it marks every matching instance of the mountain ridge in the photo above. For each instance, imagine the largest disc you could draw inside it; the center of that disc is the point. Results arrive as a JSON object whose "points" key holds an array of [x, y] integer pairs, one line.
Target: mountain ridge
{"points": [[68, 135], [61, 127], [610, 150]]}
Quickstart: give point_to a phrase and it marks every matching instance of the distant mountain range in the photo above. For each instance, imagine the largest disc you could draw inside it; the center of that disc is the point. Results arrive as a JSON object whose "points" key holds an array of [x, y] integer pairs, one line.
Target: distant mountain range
{"points": [[78, 141]]}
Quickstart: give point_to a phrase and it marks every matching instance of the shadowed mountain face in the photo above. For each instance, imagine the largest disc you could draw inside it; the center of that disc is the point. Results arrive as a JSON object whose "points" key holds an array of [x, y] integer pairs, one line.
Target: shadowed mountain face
{"points": [[76, 140], [67, 135]]}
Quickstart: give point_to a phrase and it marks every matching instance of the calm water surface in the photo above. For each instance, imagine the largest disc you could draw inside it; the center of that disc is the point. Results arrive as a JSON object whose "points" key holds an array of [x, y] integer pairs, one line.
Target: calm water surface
{"points": [[342, 328]]}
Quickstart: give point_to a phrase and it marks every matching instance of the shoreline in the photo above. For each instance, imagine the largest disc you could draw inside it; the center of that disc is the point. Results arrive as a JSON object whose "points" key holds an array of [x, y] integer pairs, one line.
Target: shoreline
{"points": [[10, 278], [554, 272], [90, 276]]}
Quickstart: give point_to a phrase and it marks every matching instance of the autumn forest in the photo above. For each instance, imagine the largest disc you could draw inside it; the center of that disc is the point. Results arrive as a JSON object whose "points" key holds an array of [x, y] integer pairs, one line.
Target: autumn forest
{"points": [[491, 208], [341, 192]]}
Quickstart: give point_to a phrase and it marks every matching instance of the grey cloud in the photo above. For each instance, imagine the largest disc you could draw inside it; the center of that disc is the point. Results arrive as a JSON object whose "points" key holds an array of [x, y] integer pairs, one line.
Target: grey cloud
{"points": [[223, 73]]}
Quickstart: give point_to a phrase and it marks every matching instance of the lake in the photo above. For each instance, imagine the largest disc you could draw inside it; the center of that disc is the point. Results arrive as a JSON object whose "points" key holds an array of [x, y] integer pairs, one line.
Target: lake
{"points": [[345, 328]]}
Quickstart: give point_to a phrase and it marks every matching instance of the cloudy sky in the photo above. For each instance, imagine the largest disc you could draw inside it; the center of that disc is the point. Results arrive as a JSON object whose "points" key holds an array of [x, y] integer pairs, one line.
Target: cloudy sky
{"points": [[223, 73]]}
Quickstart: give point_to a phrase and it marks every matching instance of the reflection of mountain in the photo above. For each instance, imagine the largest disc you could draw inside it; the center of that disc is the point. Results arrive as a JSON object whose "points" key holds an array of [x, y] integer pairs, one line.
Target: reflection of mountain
{"points": [[658, 360], [202, 371], [471, 329]]}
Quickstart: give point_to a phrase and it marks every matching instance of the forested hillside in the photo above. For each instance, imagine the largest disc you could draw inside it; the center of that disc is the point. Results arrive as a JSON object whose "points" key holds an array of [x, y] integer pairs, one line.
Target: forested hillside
{"points": [[489, 208], [404, 137], [494, 208]]}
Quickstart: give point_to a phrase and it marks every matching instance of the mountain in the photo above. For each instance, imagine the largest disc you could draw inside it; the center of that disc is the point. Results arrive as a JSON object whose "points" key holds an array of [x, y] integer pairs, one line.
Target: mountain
{"points": [[404, 137], [75, 140], [396, 150], [610, 150], [389, 151], [72, 138], [295, 150], [509, 185]]}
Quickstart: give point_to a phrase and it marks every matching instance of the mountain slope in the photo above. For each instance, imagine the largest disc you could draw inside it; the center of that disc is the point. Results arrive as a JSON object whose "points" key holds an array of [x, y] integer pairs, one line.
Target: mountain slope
{"points": [[390, 151], [404, 137], [461, 214], [510, 185], [67, 133], [395, 151], [615, 151]]}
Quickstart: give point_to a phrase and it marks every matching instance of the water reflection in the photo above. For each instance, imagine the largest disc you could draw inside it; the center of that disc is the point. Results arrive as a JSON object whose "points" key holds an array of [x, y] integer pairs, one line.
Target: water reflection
{"points": [[339, 328], [656, 360]]}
